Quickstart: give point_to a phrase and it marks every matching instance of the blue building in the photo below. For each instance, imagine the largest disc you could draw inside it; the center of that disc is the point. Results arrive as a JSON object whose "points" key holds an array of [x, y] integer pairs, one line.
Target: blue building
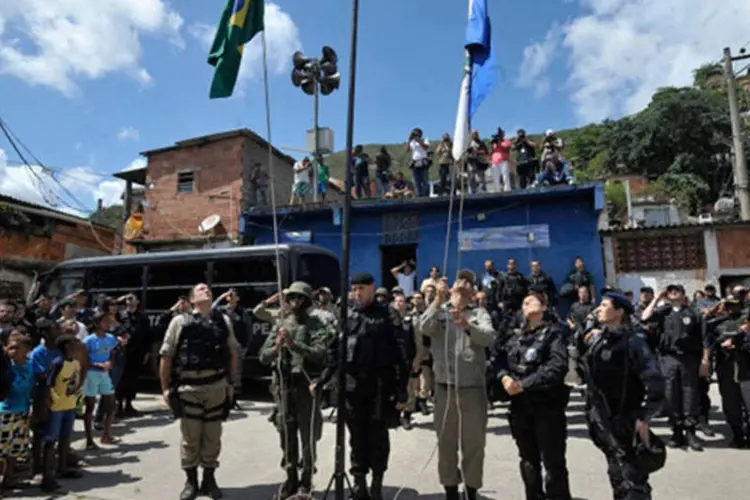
{"points": [[553, 225]]}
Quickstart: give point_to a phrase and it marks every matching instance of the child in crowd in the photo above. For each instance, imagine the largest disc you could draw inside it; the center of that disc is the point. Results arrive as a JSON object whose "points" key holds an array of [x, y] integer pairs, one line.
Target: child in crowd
{"points": [[14, 410], [41, 361], [98, 381], [64, 382]]}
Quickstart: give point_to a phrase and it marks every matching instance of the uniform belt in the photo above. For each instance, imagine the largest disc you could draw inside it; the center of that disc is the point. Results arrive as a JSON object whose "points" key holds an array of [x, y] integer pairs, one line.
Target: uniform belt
{"points": [[210, 379]]}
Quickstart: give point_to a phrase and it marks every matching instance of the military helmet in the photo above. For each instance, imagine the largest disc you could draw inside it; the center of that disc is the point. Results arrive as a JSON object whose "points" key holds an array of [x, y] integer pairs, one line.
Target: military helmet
{"points": [[382, 291], [300, 288]]}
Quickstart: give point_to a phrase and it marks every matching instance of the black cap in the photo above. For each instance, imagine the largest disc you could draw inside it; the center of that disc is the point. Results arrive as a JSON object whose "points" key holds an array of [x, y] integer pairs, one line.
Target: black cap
{"points": [[363, 279], [647, 289], [709, 288], [609, 289], [676, 287], [620, 301]]}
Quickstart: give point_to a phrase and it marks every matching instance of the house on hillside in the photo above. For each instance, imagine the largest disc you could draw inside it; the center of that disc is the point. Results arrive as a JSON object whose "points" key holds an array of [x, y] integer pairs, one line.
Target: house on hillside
{"points": [[646, 210], [34, 238], [202, 178], [553, 225]]}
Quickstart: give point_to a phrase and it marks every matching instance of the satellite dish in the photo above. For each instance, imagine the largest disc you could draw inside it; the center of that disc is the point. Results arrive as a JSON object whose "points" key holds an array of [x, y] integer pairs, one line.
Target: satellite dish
{"points": [[209, 223]]}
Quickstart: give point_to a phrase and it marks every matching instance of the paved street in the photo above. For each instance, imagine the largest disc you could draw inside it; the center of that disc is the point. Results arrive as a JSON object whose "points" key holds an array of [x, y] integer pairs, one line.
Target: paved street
{"points": [[146, 464]]}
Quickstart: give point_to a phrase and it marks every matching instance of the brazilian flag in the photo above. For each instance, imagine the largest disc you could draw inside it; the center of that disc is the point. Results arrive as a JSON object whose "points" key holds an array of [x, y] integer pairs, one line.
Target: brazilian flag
{"points": [[240, 22]]}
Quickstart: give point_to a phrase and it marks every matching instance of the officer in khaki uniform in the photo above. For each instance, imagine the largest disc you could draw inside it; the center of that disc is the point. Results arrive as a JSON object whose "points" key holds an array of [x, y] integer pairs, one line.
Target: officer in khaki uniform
{"points": [[460, 335], [197, 370], [297, 349]]}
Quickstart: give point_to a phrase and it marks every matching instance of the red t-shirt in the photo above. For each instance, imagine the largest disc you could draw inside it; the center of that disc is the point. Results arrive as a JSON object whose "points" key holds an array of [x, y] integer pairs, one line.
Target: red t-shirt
{"points": [[501, 151]]}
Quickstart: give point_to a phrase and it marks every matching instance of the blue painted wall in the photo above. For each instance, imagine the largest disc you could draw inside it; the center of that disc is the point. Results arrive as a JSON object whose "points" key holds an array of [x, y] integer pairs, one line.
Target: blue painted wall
{"points": [[570, 213]]}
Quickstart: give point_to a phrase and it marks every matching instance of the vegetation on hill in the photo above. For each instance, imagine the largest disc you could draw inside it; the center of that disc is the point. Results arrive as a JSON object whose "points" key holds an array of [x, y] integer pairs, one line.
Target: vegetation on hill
{"points": [[112, 216], [681, 141]]}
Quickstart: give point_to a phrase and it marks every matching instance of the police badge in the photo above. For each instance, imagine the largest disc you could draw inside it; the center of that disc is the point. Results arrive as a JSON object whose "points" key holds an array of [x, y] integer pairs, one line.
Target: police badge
{"points": [[606, 355], [686, 320]]}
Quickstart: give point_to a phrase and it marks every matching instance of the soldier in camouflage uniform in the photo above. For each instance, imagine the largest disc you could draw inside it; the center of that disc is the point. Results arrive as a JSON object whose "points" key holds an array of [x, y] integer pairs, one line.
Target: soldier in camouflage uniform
{"points": [[297, 348], [267, 311]]}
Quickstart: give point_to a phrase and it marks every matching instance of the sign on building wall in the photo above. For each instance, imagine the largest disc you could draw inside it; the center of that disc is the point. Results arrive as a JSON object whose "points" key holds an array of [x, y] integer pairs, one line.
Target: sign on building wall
{"points": [[296, 237], [504, 238]]}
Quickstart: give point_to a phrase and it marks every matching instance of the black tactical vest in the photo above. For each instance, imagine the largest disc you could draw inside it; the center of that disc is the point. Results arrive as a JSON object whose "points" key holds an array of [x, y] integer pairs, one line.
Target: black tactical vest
{"points": [[203, 344]]}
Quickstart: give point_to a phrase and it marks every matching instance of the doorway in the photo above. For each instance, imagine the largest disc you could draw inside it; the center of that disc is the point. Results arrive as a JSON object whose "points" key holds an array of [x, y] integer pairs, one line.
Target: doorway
{"points": [[392, 256]]}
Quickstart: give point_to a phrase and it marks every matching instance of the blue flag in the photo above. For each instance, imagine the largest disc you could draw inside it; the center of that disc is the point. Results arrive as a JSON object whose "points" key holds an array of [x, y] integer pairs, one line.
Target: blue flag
{"points": [[480, 74], [482, 57]]}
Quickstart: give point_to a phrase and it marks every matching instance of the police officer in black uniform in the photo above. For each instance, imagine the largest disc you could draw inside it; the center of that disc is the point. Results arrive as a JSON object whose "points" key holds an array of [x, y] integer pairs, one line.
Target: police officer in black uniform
{"points": [[515, 288], [731, 345], [532, 367], [376, 371], [625, 390], [541, 280], [684, 353]]}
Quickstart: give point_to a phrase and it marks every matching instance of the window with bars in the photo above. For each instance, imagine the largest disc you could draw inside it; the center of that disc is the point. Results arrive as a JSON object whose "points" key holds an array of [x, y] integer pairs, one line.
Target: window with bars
{"points": [[663, 252], [185, 182]]}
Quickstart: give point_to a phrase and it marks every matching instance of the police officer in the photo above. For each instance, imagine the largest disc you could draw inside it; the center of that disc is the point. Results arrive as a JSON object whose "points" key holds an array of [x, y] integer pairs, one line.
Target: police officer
{"points": [[685, 356], [625, 391], [460, 336], [731, 344], [376, 371], [411, 342], [297, 349], [242, 324], [515, 288], [197, 369], [532, 368]]}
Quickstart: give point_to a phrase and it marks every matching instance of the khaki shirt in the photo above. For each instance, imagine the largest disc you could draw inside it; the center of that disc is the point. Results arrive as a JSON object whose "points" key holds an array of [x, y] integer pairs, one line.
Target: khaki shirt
{"points": [[169, 348]]}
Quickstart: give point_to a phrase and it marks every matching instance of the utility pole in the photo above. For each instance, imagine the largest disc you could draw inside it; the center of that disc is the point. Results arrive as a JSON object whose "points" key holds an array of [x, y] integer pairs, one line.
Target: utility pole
{"points": [[316, 139], [740, 161]]}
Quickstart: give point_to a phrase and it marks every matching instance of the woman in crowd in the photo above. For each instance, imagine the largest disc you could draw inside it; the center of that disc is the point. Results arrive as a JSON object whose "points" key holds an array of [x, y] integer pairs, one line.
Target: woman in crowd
{"points": [[532, 368]]}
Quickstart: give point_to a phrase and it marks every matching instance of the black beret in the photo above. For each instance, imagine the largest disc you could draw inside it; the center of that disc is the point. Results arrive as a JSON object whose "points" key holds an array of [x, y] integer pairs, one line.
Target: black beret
{"points": [[363, 279], [620, 301]]}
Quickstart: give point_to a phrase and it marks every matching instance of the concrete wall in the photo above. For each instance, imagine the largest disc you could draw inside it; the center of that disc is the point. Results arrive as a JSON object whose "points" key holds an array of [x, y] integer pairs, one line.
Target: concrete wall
{"points": [[572, 222]]}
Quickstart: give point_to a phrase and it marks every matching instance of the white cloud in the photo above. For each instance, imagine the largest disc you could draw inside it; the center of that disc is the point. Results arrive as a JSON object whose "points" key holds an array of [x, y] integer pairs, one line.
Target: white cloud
{"points": [[66, 41], [621, 51], [136, 164], [35, 185], [536, 60], [128, 133], [282, 40]]}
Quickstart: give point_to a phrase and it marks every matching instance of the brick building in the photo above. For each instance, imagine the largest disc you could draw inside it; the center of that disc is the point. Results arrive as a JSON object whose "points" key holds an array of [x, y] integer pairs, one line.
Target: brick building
{"points": [[199, 177], [34, 238], [691, 254]]}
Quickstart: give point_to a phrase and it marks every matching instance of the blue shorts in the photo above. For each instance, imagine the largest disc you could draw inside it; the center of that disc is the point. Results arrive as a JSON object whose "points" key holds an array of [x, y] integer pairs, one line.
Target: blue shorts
{"points": [[98, 383], [322, 187], [60, 425]]}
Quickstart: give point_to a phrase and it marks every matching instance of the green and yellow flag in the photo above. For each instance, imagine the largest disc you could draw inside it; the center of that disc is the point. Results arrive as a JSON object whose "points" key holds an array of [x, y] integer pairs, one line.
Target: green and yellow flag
{"points": [[240, 22]]}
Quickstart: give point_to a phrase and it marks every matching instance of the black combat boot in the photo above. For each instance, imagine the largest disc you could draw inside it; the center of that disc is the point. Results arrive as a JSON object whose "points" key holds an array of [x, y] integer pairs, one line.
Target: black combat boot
{"points": [[209, 486], [359, 489], [678, 437], [190, 491], [305, 483], [451, 493], [738, 439], [291, 485], [406, 421], [376, 487], [692, 440], [704, 427], [471, 493]]}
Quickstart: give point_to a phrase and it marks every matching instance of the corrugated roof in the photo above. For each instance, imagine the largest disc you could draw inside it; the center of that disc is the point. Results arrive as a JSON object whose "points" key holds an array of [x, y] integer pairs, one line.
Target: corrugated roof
{"points": [[51, 211]]}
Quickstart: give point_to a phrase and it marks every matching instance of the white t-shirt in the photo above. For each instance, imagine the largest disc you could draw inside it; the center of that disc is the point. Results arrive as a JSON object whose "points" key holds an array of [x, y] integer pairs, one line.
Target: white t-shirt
{"points": [[417, 151], [406, 282], [301, 175], [82, 332]]}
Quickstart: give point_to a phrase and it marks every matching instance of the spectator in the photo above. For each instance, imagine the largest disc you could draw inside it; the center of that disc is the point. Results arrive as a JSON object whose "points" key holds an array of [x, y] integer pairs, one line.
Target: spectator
{"points": [[259, 184], [555, 172], [577, 278], [500, 159], [406, 277], [323, 176], [383, 165], [400, 188], [432, 280], [68, 313], [418, 146], [444, 157], [526, 161], [360, 164], [301, 181], [478, 163], [551, 145], [14, 409]]}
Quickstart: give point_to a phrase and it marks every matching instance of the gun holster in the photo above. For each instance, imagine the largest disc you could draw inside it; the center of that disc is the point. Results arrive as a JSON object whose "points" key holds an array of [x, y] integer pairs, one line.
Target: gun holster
{"points": [[175, 403]]}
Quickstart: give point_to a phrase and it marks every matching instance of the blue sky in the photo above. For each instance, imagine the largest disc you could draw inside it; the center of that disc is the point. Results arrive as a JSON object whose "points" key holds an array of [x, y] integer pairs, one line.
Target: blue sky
{"points": [[87, 96]]}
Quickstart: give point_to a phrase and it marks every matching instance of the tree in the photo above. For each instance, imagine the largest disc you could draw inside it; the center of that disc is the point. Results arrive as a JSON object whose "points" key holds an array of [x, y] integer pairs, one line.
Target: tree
{"points": [[112, 216]]}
